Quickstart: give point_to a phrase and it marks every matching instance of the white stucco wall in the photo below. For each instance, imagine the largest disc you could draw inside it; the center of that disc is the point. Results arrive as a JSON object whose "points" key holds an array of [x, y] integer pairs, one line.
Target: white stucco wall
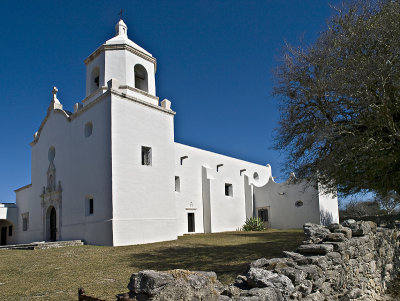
{"points": [[83, 165], [281, 198], [143, 196], [202, 189]]}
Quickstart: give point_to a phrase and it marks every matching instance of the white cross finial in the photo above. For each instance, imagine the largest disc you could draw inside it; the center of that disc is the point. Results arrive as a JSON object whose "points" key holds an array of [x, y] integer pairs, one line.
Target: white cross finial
{"points": [[55, 90]]}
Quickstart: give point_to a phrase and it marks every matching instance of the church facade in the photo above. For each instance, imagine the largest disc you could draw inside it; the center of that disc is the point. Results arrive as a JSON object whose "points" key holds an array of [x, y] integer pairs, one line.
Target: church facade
{"points": [[111, 173]]}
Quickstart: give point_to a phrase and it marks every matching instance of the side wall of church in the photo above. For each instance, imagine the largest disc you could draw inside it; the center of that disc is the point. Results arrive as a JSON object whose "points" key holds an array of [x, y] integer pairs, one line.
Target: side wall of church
{"points": [[83, 168], [143, 194], [202, 189], [290, 205]]}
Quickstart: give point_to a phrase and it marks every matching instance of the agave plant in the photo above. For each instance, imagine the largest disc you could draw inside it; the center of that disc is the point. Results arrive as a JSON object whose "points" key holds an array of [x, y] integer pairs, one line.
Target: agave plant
{"points": [[253, 224]]}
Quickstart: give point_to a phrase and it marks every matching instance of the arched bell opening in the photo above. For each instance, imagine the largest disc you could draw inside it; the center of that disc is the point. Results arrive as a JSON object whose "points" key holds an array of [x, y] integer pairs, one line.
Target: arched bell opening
{"points": [[94, 79], [141, 78]]}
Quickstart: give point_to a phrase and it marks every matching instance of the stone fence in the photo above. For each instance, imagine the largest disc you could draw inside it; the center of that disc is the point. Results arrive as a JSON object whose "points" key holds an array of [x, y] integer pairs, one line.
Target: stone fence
{"points": [[388, 221], [350, 261]]}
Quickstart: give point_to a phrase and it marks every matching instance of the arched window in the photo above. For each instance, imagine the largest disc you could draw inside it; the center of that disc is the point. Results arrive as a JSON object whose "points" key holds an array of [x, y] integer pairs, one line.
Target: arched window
{"points": [[95, 79], [141, 78]]}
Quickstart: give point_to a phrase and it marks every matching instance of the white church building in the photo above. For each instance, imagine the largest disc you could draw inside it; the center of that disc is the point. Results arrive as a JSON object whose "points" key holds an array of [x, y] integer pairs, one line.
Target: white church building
{"points": [[111, 173]]}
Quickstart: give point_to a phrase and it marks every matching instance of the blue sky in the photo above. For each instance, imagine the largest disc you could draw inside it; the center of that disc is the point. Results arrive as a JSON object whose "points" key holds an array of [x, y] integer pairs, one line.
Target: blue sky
{"points": [[214, 63]]}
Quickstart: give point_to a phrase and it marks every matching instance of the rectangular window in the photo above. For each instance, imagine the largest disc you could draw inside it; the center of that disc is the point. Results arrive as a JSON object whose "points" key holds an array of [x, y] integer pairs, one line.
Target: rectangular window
{"points": [[263, 214], [10, 230], [89, 205], [146, 155], [177, 184], [91, 208], [228, 189], [25, 221]]}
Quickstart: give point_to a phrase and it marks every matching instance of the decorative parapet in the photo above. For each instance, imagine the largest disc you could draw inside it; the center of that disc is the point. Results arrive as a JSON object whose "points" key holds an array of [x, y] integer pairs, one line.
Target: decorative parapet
{"points": [[127, 47], [138, 91]]}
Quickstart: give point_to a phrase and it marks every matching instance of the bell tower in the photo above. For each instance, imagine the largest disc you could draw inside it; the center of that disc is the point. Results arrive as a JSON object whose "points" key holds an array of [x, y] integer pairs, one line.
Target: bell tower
{"points": [[122, 60]]}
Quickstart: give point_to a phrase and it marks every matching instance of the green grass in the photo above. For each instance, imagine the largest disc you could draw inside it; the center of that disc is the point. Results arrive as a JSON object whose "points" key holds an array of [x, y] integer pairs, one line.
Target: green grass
{"points": [[56, 274]]}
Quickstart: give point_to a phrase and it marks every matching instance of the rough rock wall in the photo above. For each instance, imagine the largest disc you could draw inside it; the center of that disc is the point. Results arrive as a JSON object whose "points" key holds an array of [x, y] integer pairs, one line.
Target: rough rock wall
{"points": [[350, 261]]}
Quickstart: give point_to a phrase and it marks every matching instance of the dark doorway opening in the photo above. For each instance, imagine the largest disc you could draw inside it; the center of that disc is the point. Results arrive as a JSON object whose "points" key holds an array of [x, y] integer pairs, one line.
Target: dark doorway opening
{"points": [[53, 225], [191, 222], [264, 216], [3, 239]]}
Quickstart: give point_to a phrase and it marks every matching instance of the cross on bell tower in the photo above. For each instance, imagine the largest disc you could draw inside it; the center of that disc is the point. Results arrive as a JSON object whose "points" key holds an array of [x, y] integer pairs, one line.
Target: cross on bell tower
{"points": [[121, 29], [121, 13]]}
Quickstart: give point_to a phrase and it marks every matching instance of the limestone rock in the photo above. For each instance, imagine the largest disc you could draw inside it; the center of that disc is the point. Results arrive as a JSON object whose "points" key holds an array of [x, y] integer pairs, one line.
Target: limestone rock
{"points": [[174, 285], [259, 263], [257, 277], [231, 291], [297, 276], [346, 231], [315, 233], [335, 237], [274, 263], [267, 293], [315, 249], [358, 228]]}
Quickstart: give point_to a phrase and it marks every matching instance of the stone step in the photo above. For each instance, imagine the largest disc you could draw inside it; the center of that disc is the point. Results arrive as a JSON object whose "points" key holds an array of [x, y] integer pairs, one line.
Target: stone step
{"points": [[43, 245]]}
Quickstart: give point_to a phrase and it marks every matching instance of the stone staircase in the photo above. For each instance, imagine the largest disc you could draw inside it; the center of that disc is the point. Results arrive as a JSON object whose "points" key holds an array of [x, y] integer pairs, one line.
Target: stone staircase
{"points": [[43, 245]]}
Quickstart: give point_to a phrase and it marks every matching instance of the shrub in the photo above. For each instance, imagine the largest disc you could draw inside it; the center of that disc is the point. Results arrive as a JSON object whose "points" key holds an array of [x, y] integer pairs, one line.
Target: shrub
{"points": [[253, 224]]}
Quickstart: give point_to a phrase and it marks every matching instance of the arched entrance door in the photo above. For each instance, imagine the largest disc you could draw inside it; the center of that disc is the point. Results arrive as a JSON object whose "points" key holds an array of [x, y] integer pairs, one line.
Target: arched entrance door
{"points": [[52, 224], [53, 227]]}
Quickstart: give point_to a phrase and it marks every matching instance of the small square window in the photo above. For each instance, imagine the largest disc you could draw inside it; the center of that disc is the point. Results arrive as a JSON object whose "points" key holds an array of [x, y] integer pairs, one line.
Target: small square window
{"points": [[146, 155], [228, 189], [10, 230], [177, 184]]}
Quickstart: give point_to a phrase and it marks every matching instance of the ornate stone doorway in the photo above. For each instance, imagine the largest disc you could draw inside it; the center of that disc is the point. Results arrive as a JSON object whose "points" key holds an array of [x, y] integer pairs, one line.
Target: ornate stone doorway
{"points": [[52, 203]]}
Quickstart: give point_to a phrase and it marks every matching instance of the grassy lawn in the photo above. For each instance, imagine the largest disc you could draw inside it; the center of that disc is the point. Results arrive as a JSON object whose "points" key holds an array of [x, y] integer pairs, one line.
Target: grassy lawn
{"points": [[56, 274]]}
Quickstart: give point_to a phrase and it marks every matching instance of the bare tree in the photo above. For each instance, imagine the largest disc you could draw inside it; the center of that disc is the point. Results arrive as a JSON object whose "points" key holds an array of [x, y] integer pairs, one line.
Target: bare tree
{"points": [[340, 101], [357, 208], [389, 202]]}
